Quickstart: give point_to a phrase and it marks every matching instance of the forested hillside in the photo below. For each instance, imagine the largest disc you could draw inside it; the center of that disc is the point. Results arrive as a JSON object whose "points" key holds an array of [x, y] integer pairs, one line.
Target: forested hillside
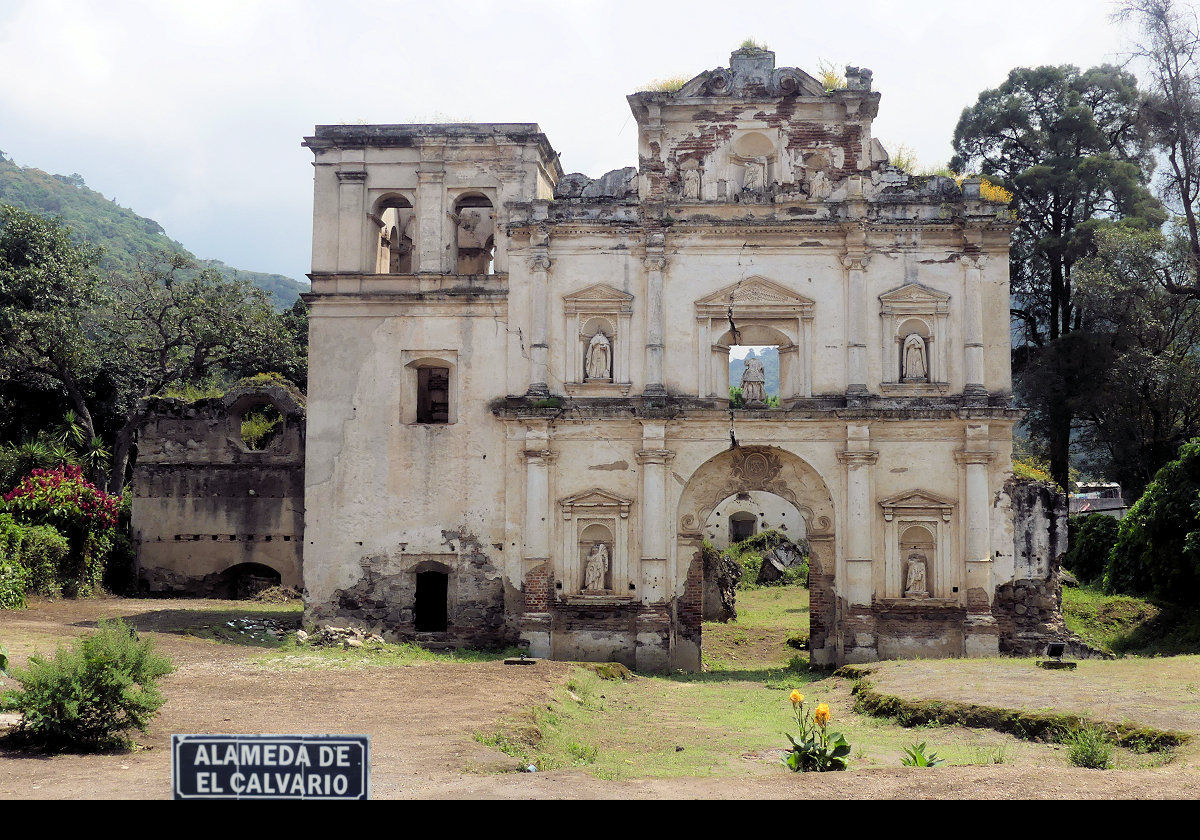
{"points": [[124, 235]]}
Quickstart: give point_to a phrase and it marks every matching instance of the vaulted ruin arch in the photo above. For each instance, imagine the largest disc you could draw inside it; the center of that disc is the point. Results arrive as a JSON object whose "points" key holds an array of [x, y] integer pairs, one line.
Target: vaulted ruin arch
{"points": [[743, 469]]}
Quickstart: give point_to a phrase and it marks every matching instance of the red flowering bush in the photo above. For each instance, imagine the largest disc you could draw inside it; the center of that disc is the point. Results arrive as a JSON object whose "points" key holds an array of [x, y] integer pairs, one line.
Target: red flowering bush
{"points": [[63, 498], [86, 515]]}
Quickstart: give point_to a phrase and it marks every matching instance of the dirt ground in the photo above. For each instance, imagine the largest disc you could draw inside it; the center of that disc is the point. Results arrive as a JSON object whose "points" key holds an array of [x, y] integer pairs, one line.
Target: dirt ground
{"points": [[421, 719]]}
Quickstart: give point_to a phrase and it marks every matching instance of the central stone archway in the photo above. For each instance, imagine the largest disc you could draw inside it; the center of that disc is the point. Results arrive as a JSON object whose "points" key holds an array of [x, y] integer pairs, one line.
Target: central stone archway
{"points": [[743, 469]]}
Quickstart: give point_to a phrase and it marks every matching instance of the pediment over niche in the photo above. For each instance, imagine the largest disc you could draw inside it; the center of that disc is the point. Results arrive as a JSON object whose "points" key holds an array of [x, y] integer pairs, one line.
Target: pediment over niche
{"points": [[922, 501], [594, 501], [598, 297], [755, 296], [914, 299]]}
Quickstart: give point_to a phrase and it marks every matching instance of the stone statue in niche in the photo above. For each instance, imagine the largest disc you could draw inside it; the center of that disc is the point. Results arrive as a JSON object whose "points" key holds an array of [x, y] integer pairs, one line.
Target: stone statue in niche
{"points": [[596, 569], [691, 184], [598, 364], [915, 359], [916, 581], [756, 175], [754, 383]]}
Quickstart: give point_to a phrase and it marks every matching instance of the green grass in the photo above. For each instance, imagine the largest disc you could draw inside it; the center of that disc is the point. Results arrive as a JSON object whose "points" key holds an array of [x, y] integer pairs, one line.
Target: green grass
{"points": [[1124, 624]]}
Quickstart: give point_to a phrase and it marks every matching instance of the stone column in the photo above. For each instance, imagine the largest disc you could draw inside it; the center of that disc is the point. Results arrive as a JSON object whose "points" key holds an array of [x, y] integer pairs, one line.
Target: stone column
{"points": [[981, 634], [539, 294], [352, 216], [537, 569], [974, 386], [856, 323], [656, 587], [856, 624], [432, 254], [655, 261]]}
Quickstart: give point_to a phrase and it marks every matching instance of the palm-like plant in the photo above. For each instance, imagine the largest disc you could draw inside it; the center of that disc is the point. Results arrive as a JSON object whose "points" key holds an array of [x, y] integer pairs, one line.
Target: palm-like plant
{"points": [[914, 756]]}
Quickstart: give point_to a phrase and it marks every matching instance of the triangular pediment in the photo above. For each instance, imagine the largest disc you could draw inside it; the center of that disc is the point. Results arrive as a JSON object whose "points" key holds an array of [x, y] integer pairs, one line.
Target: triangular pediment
{"points": [[917, 499], [755, 293], [599, 297], [599, 292], [914, 298], [595, 498]]}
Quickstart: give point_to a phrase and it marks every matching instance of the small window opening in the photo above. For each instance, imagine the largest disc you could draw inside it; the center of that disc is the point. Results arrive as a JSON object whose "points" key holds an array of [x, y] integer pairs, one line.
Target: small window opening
{"points": [[433, 395], [396, 221], [430, 606]]}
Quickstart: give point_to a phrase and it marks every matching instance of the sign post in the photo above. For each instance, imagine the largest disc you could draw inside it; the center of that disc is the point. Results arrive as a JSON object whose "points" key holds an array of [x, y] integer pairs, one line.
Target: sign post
{"points": [[270, 766]]}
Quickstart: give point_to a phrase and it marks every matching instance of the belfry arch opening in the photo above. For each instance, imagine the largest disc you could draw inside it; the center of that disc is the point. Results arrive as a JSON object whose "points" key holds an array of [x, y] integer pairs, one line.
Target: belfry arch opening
{"points": [[395, 219], [475, 234], [733, 479]]}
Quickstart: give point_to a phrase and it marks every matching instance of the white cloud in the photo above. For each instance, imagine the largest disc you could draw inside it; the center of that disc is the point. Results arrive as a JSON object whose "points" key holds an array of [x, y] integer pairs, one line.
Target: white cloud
{"points": [[192, 113]]}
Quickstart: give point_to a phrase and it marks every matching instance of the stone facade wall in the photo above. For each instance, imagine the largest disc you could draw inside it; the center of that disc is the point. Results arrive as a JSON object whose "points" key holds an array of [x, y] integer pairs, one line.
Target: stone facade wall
{"points": [[208, 511]]}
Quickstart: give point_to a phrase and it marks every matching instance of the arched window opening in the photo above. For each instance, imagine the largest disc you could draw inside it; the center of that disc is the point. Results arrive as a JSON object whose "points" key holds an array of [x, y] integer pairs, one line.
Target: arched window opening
{"points": [[754, 376], [260, 426], [431, 603], [475, 234], [396, 220]]}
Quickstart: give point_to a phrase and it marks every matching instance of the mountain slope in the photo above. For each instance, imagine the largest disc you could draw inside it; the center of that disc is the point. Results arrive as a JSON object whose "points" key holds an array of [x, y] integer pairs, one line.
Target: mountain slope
{"points": [[124, 235]]}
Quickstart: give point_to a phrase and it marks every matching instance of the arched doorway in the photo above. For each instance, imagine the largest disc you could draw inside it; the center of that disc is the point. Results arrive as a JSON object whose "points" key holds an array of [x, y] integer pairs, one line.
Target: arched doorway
{"points": [[745, 469]]}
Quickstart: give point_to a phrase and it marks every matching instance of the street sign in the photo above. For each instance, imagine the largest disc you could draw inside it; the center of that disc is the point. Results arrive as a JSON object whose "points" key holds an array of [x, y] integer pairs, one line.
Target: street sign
{"points": [[270, 766]]}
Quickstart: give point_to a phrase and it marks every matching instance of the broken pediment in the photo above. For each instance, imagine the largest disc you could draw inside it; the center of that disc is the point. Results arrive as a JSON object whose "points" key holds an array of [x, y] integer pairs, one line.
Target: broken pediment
{"points": [[751, 72], [594, 501], [914, 299], [598, 298], [912, 501], [755, 295]]}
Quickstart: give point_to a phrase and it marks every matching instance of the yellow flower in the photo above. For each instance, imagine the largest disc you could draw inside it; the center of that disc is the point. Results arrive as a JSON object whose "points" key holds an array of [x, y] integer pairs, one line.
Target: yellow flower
{"points": [[821, 715], [797, 698]]}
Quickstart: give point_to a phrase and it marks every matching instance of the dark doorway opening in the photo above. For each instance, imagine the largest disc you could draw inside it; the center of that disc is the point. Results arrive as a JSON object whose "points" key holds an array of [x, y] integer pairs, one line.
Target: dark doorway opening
{"points": [[430, 606], [246, 580], [742, 526]]}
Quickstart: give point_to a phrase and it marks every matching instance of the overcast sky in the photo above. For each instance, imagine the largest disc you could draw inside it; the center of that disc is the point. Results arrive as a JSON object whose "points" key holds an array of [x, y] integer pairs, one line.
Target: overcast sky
{"points": [[192, 112]]}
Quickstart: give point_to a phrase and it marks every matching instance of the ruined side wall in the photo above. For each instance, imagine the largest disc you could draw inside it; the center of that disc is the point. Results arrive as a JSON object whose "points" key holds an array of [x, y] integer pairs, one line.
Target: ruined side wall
{"points": [[205, 504], [1028, 604]]}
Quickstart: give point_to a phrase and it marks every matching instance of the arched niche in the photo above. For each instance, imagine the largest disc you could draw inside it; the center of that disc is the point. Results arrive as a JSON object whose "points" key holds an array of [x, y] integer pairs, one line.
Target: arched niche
{"points": [[765, 313], [914, 310], [920, 522], [597, 308], [395, 221], [589, 519], [596, 540]]}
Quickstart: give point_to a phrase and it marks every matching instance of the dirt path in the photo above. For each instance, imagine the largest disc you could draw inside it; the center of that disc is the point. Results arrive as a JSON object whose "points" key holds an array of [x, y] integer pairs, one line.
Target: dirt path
{"points": [[421, 719]]}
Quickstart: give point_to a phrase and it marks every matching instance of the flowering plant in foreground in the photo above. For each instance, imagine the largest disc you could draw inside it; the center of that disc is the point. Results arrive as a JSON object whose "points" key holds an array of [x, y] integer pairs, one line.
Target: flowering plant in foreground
{"points": [[63, 498], [817, 748]]}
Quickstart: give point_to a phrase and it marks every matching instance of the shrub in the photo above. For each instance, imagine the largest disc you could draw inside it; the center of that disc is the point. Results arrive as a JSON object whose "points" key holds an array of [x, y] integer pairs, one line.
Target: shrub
{"points": [[1088, 746], [14, 577], [1091, 538], [1157, 550], [44, 551], [90, 696]]}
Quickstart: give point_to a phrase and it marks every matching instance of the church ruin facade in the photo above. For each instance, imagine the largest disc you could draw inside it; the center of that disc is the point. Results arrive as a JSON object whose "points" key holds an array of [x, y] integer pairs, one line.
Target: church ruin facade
{"points": [[518, 416]]}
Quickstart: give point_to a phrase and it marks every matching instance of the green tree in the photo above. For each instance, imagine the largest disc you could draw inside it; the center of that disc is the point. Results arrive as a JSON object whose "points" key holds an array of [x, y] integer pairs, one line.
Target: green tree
{"points": [[1143, 398], [50, 294], [1069, 145], [1168, 53]]}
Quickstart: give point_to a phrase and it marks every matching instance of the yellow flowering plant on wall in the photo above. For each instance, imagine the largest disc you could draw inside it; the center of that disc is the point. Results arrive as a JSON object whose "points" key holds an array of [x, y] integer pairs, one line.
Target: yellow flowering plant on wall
{"points": [[816, 748]]}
